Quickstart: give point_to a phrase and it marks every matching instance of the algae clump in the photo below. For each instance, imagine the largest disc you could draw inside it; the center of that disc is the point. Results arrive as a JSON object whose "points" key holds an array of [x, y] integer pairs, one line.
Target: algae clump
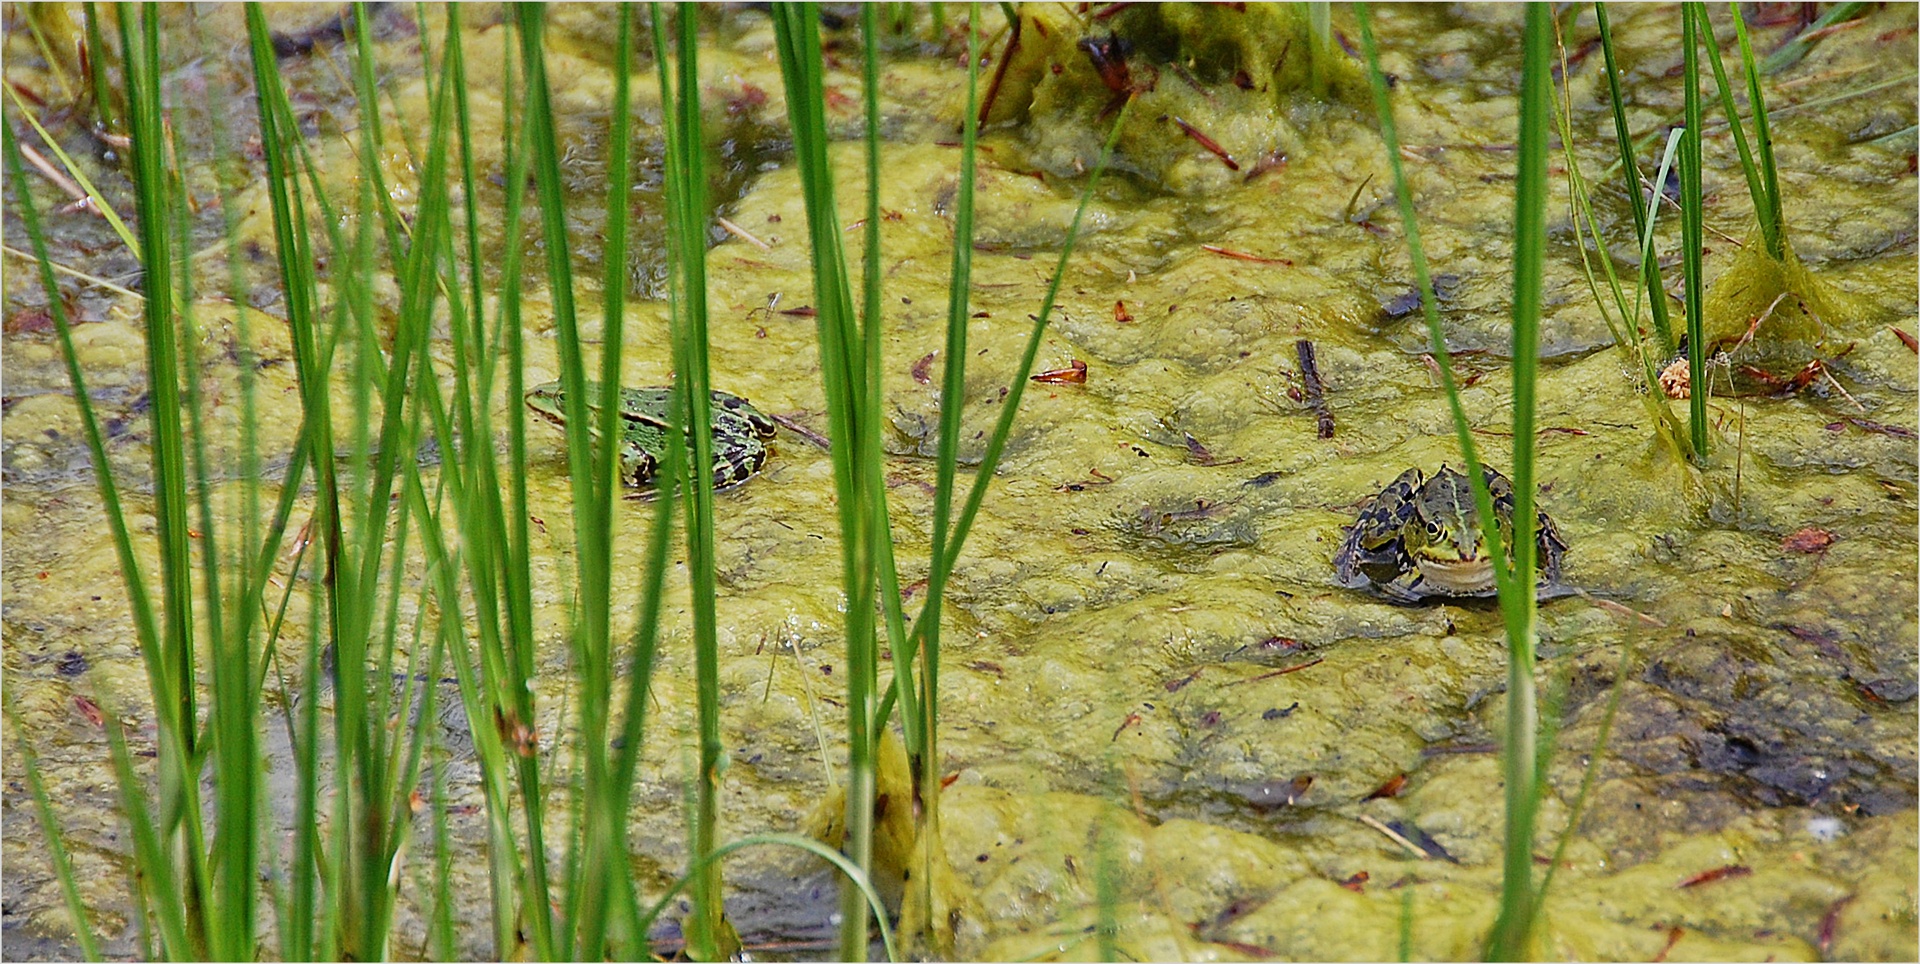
{"points": [[1226, 87], [1776, 312]]}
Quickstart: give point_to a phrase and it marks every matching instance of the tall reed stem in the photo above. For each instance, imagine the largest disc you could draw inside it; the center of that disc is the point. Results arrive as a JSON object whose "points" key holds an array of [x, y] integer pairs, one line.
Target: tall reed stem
{"points": [[1692, 230], [1513, 930], [1516, 585]]}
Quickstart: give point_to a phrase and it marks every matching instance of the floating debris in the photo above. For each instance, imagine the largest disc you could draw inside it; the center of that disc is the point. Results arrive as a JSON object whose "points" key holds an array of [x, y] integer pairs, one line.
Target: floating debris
{"points": [[1729, 872], [1074, 374], [1316, 388], [1389, 789], [1808, 541]]}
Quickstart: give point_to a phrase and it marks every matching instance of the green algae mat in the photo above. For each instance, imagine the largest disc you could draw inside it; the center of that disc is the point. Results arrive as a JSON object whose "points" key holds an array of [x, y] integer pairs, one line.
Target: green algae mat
{"points": [[1168, 730]]}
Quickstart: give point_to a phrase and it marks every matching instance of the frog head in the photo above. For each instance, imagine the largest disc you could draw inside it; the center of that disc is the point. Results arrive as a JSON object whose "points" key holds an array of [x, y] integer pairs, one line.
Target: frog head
{"points": [[1443, 535], [549, 402]]}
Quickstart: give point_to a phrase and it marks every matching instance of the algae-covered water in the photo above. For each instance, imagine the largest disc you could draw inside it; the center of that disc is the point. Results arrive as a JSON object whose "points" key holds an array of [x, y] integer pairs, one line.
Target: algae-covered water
{"points": [[1151, 681]]}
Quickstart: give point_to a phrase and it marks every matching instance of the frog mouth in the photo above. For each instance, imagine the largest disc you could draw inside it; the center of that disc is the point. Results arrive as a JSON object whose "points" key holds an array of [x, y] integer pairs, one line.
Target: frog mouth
{"points": [[1458, 575]]}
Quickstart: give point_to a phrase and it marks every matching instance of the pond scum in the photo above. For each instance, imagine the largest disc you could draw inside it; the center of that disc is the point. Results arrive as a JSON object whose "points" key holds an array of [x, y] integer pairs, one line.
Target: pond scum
{"points": [[378, 671]]}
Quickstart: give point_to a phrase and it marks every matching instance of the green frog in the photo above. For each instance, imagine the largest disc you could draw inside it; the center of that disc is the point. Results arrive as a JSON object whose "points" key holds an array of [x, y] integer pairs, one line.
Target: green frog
{"points": [[1420, 539], [740, 431]]}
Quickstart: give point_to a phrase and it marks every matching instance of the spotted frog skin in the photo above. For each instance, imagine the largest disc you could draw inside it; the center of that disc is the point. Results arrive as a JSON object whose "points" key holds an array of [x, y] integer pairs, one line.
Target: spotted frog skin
{"points": [[1419, 539], [740, 431]]}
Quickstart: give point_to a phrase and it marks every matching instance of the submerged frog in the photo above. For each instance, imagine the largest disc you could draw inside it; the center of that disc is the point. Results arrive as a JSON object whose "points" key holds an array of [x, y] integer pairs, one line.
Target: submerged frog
{"points": [[1420, 539], [740, 431]]}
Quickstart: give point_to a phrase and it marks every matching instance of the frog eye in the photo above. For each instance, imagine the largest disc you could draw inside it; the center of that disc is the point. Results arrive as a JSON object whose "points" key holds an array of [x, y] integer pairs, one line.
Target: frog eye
{"points": [[1433, 530]]}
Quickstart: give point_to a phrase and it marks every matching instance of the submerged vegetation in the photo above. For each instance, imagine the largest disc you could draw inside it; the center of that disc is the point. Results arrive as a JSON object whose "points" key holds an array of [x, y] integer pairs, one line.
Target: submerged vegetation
{"points": [[383, 649]]}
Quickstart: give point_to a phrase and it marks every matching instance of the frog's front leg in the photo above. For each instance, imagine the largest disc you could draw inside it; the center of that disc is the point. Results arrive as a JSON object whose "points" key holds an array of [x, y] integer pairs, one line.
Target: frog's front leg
{"points": [[1403, 590], [1372, 552], [638, 467]]}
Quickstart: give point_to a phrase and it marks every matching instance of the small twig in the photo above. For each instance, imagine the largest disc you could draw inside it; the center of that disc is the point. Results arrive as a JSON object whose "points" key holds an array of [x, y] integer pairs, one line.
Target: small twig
{"points": [[813, 711], [1395, 836], [743, 234], [1828, 373], [1243, 256], [1822, 77], [1212, 146], [1754, 328], [44, 166], [1674, 934], [1280, 672], [1353, 203], [1739, 452], [1618, 609], [1000, 70], [1316, 389], [802, 431], [83, 276], [1869, 425]]}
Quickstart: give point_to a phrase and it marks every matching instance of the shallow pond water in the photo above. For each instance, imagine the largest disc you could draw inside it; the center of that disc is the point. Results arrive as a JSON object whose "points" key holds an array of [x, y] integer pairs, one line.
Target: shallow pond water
{"points": [[1150, 675]]}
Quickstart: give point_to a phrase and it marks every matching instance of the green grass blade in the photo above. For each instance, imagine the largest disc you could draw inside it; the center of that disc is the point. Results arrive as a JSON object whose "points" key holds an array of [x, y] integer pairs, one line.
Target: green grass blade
{"points": [[78, 174], [708, 934], [997, 439], [373, 134], [229, 742], [653, 570], [180, 756], [953, 385], [1513, 931], [872, 324], [546, 168], [100, 91], [844, 378], [1762, 135], [1765, 208], [145, 622], [489, 748], [494, 520], [1652, 217], [1625, 329], [154, 879], [1692, 230], [312, 351], [1630, 182], [373, 849], [695, 384], [163, 366], [605, 837]]}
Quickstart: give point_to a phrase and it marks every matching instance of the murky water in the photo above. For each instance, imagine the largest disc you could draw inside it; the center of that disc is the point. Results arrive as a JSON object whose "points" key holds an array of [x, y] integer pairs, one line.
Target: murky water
{"points": [[1150, 675]]}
